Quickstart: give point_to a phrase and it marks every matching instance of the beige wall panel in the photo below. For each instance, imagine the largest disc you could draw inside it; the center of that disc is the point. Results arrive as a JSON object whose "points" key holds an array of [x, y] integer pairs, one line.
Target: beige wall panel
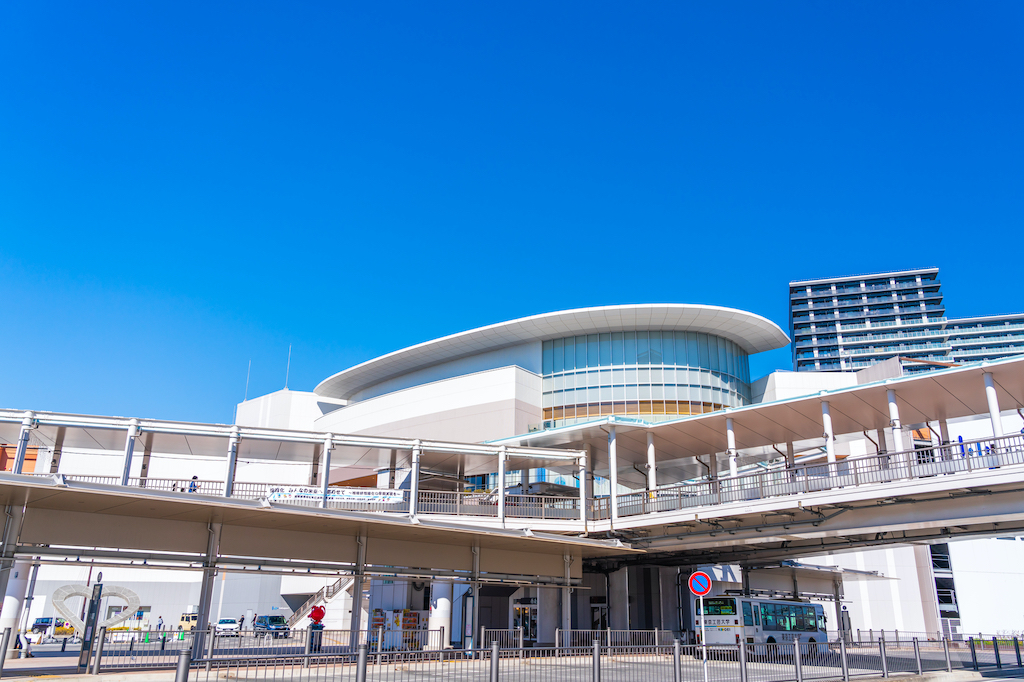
{"points": [[54, 527], [521, 563], [287, 544], [381, 552]]}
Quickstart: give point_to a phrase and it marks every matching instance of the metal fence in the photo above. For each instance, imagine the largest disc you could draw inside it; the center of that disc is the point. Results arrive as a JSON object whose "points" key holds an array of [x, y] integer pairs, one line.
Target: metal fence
{"points": [[781, 662], [946, 459], [159, 649]]}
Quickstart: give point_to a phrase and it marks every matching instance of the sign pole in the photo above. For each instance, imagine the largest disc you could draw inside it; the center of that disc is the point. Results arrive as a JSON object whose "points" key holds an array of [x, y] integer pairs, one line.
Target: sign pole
{"points": [[700, 585], [703, 639]]}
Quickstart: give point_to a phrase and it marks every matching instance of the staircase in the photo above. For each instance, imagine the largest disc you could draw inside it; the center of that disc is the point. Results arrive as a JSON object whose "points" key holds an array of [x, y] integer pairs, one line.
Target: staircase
{"points": [[323, 596]]}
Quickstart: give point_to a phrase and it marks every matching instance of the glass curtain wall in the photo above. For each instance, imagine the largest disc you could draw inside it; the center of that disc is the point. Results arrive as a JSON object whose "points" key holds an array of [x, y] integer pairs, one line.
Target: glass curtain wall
{"points": [[654, 375]]}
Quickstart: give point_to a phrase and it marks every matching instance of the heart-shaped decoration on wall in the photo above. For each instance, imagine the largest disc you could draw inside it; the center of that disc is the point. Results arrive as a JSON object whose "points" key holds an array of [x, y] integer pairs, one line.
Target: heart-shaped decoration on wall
{"points": [[62, 594]]}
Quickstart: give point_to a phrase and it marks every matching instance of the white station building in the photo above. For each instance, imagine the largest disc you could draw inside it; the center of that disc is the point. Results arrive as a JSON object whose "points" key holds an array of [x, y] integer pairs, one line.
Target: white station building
{"points": [[570, 379]]}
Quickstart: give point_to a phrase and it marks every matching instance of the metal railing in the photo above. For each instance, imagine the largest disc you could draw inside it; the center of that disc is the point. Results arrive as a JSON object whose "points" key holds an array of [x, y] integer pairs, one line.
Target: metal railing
{"points": [[746, 662], [946, 459], [614, 638], [953, 458], [324, 594]]}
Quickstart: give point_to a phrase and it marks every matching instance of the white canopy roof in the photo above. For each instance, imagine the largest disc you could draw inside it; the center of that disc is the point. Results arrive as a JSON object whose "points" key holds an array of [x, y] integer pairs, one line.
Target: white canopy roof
{"points": [[750, 332]]}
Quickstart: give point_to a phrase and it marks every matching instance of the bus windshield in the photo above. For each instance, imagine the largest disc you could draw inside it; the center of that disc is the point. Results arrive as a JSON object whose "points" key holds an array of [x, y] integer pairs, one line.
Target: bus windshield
{"points": [[719, 606]]}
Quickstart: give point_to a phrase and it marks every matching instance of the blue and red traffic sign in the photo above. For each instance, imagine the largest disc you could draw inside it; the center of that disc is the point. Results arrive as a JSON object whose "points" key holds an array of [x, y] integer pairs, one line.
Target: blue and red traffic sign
{"points": [[700, 583]]}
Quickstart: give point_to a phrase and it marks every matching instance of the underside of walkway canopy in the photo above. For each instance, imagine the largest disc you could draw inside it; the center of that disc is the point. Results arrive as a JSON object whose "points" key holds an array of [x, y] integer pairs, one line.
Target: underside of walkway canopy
{"points": [[936, 396]]}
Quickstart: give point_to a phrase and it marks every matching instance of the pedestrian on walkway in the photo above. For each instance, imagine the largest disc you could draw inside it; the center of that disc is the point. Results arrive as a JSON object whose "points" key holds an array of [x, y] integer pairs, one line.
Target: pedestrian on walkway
{"points": [[194, 485], [160, 623]]}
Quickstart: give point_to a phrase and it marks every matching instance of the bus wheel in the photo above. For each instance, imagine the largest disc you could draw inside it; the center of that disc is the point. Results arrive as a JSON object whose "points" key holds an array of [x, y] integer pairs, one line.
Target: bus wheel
{"points": [[772, 649], [813, 652]]}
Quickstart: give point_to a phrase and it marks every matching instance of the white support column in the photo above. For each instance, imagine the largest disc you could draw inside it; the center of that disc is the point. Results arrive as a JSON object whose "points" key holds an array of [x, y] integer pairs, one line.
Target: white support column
{"points": [[502, 454], [993, 405], [326, 475], [652, 465], [13, 575], [27, 424], [894, 421], [613, 477], [730, 441], [581, 468], [829, 435], [414, 481], [229, 473], [129, 448], [440, 614]]}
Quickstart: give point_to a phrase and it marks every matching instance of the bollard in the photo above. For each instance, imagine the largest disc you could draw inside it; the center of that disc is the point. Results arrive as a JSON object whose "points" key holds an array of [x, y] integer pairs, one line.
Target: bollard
{"points": [[163, 642], [64, 644], [741, 656], [184, 658], [995, 648], [494, 661], [917, 656], [677, 663], [100, 637], [596, 676], [3, 648], [843, 661], [798, 664], [1016, 648], [885, 661], [974, 653], [361, 664], [945, 651]]}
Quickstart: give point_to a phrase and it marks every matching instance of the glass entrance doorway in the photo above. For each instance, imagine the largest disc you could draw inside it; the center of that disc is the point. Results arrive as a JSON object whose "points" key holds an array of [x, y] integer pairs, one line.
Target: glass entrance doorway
{"points": [[525, 616]]}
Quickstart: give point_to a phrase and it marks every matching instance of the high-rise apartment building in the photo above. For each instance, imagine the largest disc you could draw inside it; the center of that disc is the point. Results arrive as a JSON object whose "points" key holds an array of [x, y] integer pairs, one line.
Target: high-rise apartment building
{"points": [[986, 338], [848, 323]]}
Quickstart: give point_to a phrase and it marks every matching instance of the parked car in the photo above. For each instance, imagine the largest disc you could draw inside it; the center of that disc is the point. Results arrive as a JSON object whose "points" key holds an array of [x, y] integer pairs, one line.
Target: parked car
{"points": [[275, 625], [42, 625], [227, 627]]}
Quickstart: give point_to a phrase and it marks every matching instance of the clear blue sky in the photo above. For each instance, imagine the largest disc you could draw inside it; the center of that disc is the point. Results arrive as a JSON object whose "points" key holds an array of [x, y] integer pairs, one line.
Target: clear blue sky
{"points": [[188, 186]]}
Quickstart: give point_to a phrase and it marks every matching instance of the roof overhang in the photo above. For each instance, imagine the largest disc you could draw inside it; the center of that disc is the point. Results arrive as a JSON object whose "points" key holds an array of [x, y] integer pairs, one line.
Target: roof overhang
{"points": [[938, 395], [750, 332]]}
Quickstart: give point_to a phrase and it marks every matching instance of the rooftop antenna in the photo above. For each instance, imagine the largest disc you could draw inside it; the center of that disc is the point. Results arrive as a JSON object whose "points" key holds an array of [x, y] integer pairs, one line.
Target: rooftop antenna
{"points": [[234, 420], [247, 372], [288, 367]]}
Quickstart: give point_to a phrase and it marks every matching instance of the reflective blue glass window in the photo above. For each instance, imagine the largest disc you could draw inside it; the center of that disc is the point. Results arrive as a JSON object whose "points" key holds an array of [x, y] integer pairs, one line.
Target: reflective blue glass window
{"points": [[558, 354], [606, 350], [668, 348], [617, 351], [629, 339], [546, 360], [656, 355], [593, 350], [643, 349], [581, 352]]}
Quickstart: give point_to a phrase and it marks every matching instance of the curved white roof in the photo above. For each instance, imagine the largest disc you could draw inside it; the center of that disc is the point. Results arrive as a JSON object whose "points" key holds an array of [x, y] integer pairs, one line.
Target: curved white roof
{"points": [[750, 332]]}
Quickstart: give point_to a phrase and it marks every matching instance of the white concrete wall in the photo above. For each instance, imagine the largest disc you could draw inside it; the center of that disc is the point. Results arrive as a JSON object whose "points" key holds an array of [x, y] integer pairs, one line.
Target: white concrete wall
{"points": [[782, 385], [285, 409], [475, 407], [989, 585], [526, 356], [892, 604]]}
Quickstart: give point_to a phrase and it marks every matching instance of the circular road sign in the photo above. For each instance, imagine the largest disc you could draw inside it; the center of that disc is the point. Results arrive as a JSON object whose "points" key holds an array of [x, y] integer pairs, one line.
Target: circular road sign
{"points": [[700, 583]]}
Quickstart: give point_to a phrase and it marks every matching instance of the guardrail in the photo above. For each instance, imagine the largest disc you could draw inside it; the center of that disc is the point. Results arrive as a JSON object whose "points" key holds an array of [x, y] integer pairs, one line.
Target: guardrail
{"points": [[745, 662], [941, 460], [953, 458]]}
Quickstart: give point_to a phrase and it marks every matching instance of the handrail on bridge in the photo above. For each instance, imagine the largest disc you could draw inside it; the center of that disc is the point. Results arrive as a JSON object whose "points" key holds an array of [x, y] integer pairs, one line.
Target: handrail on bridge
{"points": [[945, 459]]}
